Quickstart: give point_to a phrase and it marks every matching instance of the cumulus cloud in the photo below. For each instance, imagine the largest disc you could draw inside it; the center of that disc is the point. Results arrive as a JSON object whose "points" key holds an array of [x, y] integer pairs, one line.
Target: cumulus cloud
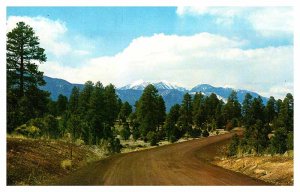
{"points": [[267, 21], [188, 60], [50, 32]]}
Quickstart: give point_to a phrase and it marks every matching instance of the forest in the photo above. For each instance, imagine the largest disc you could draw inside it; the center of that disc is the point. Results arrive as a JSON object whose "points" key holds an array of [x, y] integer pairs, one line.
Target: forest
{"points": [[95, 115]]}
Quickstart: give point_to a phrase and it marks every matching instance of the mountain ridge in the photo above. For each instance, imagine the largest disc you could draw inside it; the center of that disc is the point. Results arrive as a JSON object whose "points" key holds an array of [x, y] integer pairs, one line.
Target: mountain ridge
{"points": [[171, 93]]}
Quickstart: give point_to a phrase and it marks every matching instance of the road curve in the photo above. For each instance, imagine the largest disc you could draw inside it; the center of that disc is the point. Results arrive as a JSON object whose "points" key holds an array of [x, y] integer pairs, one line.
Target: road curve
{"points": [[176, 164]]}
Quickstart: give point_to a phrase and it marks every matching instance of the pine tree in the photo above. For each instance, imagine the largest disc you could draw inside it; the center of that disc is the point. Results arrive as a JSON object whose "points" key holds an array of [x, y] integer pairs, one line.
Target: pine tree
{"points": [[246, 110], [24, 99], [233, 147], [172, 131], [73, 105], [23, 51], [257, 109], [61, 104], [232, 109], [95, 129], [270, 112], [146, 111], [125, 111], [286, 113], [111, 106], [186, 119], [161, 110], [196, 105]]}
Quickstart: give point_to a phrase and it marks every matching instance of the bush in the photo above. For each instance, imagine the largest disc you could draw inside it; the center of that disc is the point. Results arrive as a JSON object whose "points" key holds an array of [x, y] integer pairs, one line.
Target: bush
{"points": [[66, 164], [279, 141], [229, 126], [152, 137], [125, 132], [172, 139], [205, 133], [28, 130], [195, 133], [136, 133], [233, 147], [115, 145], [290, 141]]}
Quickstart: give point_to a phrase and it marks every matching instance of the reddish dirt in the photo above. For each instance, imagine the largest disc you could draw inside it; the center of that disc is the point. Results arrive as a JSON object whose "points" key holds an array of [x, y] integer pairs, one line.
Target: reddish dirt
{"points": [[186, 163]]}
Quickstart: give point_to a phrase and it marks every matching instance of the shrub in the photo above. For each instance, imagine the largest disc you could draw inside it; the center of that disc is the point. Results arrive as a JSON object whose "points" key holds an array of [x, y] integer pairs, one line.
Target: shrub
{"points": [[136, 134], [152, 137], [115, 145], [66, 164], [290, 141], [233, 147], [229, 126], [125, 132], [279, 141], [195, 132], [28, 130], [205, 133]]}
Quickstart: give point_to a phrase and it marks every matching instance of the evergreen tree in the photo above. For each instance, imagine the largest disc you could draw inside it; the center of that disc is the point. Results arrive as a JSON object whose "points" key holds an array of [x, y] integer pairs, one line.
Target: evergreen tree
{"points": [[73, 105], [125, 132], [24, 99], [185, 120], [23, 50], [232, 109], [259, 136], [161, 110], [196, 105], [146, 110], [257, 109], [233, 147], [111, 106], [270, 112], [172, 131], [279, 141], [61, 104], [246, 110], [95, 129], [125, 111], [84, 98], [286, 113]]}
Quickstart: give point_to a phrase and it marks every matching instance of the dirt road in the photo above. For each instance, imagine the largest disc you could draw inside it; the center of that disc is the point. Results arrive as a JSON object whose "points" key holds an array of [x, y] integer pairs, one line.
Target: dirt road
{"points": [[185, 163]]}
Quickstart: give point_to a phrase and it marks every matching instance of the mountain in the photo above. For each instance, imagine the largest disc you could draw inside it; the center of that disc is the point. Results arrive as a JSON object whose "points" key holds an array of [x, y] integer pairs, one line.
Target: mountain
{"points": [[224, 93], [162, 85], [171, 93], [58, 86]]}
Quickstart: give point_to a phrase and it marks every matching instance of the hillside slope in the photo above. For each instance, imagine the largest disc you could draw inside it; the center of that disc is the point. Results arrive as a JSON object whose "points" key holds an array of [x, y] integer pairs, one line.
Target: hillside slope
{"points": [[35, 162]]}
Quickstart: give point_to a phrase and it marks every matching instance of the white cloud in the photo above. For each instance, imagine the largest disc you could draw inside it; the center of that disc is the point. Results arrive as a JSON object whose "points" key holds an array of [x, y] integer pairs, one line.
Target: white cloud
{"points": [[188, 60], [267, 21], [272, 21], [49, 32]]}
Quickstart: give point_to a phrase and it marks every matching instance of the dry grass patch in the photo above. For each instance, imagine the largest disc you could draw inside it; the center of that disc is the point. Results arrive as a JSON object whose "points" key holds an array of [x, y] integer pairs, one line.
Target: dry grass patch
{"points": [[278, 170]]}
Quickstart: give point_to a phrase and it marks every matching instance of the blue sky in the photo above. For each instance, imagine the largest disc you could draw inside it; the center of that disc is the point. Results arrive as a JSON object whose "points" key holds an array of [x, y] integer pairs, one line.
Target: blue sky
{"points": [[222, 46]]}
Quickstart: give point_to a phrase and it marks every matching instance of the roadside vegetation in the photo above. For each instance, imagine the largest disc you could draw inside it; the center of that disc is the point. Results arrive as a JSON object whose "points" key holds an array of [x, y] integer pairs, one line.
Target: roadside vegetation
{"points": [[96, 116]]}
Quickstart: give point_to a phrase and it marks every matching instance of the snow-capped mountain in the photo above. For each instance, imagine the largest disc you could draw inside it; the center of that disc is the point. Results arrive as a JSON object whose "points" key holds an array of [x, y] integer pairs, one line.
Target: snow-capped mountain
{"points": [[136, 85], [171, 92], [141, 85], [223, 93]]}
